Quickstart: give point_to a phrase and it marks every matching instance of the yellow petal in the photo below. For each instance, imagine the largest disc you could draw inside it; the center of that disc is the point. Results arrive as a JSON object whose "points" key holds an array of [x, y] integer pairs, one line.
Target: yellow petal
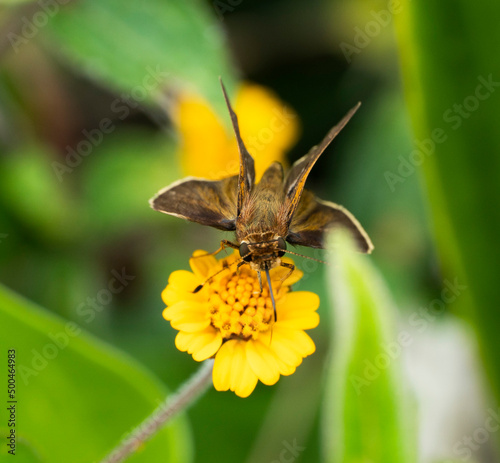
{"points": [[171, 295], [296, 310], [222, 366], [238, 364], [201, 344], [278, 273], [266, 338], [208, 345], [301, 300], [188, 316], [300, 321], [184, 309], [203, 265], [284, 368], [180, 288], [295, 340], [283, 349], [242, 377], [247, 383], [231, 370], [244, 383], [262, 361], [268, 127], [183, 340], [190, 326], [291, 346], [205, 149]]}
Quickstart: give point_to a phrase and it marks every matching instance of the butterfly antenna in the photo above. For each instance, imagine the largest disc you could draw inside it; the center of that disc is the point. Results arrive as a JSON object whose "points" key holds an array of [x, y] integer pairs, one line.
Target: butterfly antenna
{"points": [[306, 257], [272, 295], [225, 267]]}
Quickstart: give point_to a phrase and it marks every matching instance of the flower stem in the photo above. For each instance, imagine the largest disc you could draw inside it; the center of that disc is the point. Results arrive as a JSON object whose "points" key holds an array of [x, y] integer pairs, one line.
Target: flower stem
{"points": [[186, 395]]}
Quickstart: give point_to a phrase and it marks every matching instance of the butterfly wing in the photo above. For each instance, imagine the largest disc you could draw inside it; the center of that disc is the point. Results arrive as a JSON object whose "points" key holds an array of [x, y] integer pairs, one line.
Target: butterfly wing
{"points": [[207, 202], [246, 177], [314, 217], [297, 176]]}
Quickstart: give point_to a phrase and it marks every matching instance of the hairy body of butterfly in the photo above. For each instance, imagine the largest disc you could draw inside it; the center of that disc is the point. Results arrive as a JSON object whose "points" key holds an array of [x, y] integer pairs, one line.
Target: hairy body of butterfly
{"points": [[265, 215]]}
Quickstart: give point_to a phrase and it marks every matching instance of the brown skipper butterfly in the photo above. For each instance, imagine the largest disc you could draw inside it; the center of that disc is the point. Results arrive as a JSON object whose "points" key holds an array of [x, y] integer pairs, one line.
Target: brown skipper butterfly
{"points": [[265, 215]]}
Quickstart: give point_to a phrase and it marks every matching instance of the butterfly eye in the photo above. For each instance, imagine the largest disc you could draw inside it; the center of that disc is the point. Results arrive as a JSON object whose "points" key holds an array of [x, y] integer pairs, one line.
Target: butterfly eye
{"points": [[245, 252], [281, 247]]}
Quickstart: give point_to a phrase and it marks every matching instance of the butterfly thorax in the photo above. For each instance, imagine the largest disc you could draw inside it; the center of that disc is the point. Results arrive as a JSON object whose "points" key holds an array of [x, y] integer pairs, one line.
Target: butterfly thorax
{"points": [[262, 250], [262, 209]]}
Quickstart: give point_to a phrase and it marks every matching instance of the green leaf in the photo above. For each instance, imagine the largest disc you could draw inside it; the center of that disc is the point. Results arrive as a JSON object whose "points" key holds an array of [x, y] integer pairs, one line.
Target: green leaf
{"points": [[451, 72], [77, 397], [366, 410], [31, 193], [15, 2], [141, 48], [120, 177]]}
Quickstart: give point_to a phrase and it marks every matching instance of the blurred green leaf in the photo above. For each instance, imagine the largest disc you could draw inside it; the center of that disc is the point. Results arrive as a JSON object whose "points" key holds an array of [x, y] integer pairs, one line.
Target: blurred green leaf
{"points": [[15, 2], [366, 411], [140, 48], [120, 177], [451, 71], [31, 192], [24, 451], [76, 396]]}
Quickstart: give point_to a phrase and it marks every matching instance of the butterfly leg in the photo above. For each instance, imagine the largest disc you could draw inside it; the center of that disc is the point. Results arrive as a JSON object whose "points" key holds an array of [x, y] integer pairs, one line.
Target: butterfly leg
{"points": [[228, 244], [223, 245], [239, 265], [291, 267], [260, 281], [225, 266]]}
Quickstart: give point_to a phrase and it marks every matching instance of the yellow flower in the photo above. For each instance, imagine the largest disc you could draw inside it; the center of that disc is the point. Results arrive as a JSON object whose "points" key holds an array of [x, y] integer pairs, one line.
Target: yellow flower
{"points": [[268, 128], [231, 320]]}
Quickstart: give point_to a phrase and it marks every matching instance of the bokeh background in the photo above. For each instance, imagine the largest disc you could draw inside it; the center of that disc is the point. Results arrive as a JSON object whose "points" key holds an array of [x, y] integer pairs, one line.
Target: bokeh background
{"points": [[67, 66]]}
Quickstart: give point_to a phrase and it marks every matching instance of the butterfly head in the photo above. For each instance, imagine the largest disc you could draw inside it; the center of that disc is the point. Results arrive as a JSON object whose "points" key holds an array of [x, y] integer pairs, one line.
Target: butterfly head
{"points": [[262, 251]]}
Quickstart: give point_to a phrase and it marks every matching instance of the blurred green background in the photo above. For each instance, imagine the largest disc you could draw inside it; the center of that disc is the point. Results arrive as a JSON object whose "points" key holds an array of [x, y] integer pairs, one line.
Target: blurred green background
{"points": [[73, 71]]}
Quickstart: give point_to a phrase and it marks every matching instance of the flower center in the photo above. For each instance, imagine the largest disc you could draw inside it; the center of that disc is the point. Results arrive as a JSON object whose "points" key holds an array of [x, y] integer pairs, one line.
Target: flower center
{"points": [[238, 307]]}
